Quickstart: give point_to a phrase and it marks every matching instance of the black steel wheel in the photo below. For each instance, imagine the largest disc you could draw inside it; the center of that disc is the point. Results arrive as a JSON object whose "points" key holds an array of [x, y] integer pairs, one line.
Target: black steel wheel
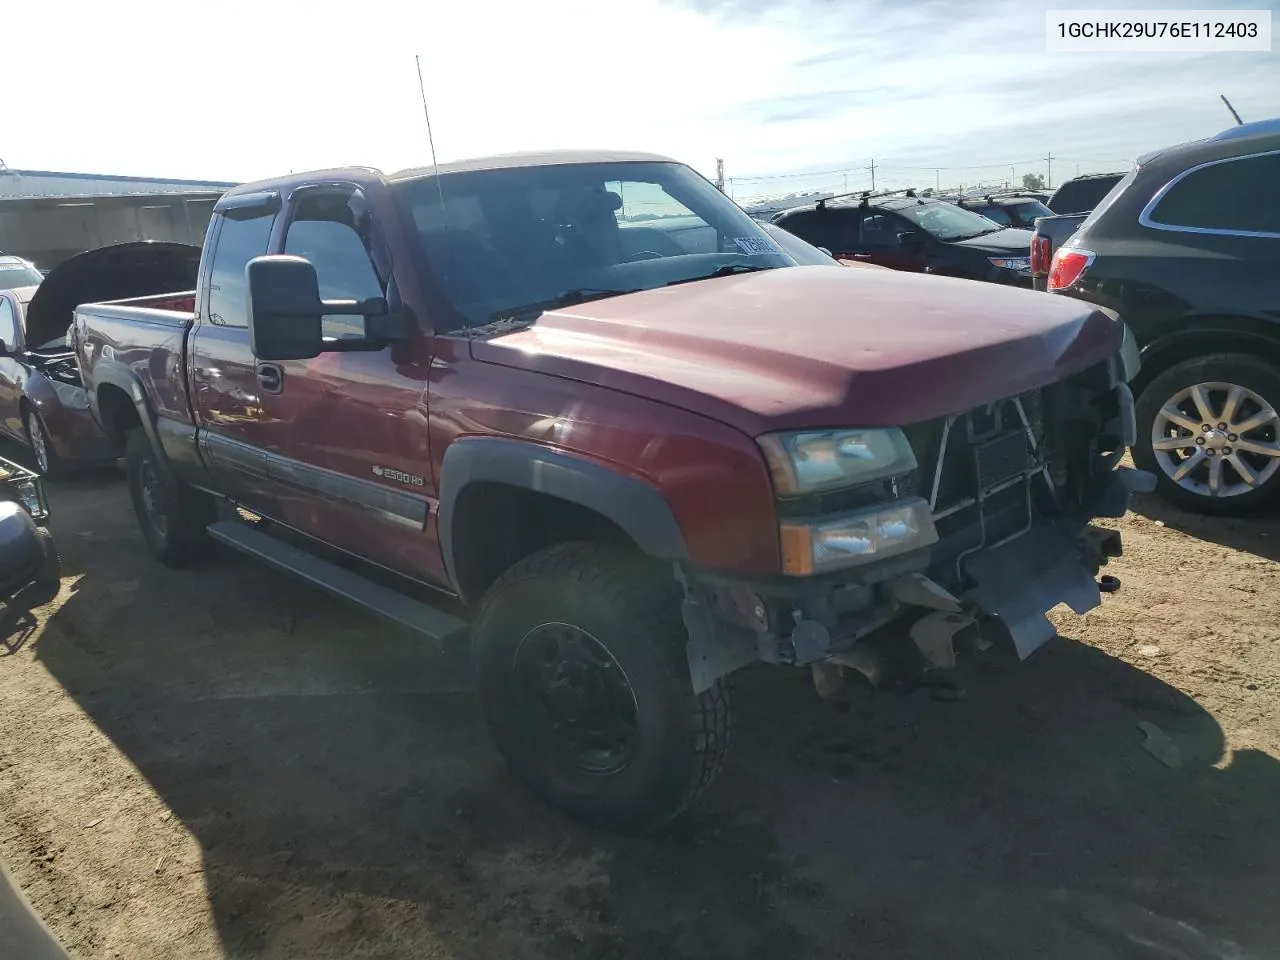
{"points": [[172, 516], [584, 683]]}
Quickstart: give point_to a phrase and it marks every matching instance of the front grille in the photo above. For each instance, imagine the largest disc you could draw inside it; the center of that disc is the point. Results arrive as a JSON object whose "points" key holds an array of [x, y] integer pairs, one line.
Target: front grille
{"points": [[984, 447]]}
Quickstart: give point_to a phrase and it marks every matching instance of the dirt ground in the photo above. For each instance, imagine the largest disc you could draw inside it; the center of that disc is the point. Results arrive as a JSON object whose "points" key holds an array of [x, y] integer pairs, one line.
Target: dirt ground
{"points": [[224, 763]]}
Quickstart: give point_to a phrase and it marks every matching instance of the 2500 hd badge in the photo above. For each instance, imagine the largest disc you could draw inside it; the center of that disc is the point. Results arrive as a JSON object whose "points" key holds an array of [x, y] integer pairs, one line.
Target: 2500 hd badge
{"points": [[390, 473]]}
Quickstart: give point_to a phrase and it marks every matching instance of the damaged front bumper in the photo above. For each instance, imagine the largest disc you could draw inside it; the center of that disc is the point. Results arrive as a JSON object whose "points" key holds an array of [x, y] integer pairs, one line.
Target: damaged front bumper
{"points": [[1014, 542]]}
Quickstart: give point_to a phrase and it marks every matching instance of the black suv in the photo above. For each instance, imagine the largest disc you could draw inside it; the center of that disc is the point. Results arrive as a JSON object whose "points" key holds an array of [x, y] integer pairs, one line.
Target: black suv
{"points": [[1006, 209], [900, 230], [1187, 249], [1082, 194]]}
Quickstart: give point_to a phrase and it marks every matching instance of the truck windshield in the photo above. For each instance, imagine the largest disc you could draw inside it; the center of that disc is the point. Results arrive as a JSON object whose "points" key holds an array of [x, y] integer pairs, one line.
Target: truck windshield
{"points": [[511, 242], [946, 221]]}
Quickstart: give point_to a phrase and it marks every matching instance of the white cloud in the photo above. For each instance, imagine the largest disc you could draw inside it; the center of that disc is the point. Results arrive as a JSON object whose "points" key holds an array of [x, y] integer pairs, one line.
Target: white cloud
{"points": [[240, 89]]}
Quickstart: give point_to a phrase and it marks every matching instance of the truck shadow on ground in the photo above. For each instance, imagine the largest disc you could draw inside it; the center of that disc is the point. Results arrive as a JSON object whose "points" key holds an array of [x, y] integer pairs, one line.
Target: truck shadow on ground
{"points": [[348, 802], [1258, 534]]}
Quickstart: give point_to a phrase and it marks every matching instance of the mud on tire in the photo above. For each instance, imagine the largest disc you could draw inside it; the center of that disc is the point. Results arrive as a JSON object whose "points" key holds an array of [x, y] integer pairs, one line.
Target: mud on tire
{"points": [[172, 516], [556, 639]]}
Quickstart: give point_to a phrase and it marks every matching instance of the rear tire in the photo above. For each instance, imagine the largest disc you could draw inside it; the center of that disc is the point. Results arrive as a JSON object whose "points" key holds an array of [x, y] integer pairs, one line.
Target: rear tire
{"points": [[560, 642], [1256, 386], [172, 516]]}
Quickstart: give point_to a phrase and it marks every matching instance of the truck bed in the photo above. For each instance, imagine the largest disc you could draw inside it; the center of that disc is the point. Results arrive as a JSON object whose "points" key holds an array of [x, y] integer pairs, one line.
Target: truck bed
{"points": [[144, 335]]}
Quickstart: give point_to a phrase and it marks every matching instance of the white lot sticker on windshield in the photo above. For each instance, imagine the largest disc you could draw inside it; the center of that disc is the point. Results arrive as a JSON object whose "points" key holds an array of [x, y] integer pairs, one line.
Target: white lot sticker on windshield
{"points": [[757, 246]]}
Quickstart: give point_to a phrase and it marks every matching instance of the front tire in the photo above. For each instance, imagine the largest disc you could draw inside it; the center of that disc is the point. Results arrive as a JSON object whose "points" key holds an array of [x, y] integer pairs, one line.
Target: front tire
{"points": [[583, 679], [1209, 430], [46, 458], [172, 516]]}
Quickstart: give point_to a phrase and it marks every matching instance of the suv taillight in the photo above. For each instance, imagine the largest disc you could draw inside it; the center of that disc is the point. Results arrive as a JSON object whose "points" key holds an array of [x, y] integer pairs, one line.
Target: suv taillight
{"points": [[1039, 256], [1067, 267]]}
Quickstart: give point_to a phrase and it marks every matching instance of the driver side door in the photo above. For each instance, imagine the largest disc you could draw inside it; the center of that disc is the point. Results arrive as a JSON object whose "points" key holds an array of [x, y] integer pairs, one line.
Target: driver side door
{"points": [[879, 230]]}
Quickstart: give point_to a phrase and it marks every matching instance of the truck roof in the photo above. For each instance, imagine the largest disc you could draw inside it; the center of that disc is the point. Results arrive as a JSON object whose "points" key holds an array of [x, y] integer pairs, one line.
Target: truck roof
{"points": [[496, 162], [536, 159]]}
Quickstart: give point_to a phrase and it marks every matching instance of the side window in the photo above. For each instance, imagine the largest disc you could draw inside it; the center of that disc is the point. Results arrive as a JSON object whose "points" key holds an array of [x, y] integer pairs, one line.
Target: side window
{"points": [[879, 231], [1241, 194], [324, 232], [996, 213], [239, 241], [8, 323], [837, 230]]}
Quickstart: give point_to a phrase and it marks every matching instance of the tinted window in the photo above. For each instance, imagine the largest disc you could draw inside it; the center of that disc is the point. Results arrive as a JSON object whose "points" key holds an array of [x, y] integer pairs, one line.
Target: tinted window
{"points": [[837, 230], [239, 241], [994, 212], [1239, 194], [342, 265], [880, 230], [1027, 212], [8, 323], [1081, 196]]}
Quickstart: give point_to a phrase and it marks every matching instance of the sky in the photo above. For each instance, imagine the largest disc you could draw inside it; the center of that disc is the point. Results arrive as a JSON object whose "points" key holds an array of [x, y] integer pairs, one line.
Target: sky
{"points": [[792, 94]]}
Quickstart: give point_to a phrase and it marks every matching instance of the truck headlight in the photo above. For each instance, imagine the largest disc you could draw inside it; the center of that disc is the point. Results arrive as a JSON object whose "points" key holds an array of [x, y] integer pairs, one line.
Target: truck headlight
{"points": [[1130, 355], [853, 538], [813, 460]]}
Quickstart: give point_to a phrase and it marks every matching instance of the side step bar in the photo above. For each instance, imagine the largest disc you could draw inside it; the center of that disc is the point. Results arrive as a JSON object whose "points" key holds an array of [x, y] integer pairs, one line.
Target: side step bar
{"points": [[385, 602]]}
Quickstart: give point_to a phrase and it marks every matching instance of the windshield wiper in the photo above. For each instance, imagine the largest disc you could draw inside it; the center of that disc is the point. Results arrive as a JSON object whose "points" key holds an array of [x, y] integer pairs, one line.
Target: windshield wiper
{"points": [[727, 270], [569, 298]]}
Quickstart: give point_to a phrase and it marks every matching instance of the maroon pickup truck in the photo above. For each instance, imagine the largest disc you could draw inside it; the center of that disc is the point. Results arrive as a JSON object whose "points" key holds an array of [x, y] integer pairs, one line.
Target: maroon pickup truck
{"points": [[636, 459]]}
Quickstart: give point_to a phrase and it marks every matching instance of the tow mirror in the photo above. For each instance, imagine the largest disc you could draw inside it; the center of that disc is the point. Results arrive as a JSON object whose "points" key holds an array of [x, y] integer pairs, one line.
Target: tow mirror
{"points": [[284, 308], [285, 313]]}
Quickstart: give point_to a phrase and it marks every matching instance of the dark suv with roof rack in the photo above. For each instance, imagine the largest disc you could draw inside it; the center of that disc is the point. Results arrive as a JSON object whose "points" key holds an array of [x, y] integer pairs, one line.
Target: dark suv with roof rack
{"points": [[900, 230], [1186, 249], [1006, 209]]}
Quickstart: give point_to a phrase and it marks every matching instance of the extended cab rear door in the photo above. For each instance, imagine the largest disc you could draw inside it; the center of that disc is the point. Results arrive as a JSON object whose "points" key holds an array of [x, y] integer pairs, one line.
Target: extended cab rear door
{"points": [[226, 393]]}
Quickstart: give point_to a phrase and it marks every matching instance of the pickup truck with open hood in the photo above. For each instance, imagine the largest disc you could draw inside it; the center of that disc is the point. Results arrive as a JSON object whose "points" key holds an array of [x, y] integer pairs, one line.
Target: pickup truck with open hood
{"points": [[493, 399]]}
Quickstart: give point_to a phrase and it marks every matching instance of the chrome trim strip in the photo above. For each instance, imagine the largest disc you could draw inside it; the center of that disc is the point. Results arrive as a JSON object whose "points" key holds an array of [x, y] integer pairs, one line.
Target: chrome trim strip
{"points": [[393, 505], [1144, 218]]}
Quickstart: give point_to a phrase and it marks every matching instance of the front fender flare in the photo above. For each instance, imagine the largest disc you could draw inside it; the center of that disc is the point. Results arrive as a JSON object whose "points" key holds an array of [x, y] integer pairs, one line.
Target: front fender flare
{"points": [[636, 507]]}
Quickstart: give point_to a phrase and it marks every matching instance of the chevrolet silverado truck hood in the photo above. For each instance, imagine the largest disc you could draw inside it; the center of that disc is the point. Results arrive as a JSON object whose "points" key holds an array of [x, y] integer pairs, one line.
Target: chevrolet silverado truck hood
{"points": [[123, 270], [809, 347]]}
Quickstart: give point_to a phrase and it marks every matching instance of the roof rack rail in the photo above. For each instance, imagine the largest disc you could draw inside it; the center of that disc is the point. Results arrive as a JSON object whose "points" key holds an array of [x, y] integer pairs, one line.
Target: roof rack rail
{"points": [[865, 195]]}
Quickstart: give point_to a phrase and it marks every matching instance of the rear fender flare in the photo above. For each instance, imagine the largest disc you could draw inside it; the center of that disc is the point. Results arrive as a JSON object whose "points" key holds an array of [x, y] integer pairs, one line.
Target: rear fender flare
{"points": [[116, 374], [637, 508]]}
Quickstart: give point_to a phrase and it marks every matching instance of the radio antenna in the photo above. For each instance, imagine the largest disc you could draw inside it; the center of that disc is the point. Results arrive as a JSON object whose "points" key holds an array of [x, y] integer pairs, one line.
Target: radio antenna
{"points": [[1239, 122], [435, 165], [430, 138]]}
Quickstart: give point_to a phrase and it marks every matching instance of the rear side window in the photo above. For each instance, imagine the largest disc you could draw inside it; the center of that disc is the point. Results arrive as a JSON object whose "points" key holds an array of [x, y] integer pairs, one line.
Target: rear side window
{"points": [[837, 230], [239, 241], [1240, 195]]}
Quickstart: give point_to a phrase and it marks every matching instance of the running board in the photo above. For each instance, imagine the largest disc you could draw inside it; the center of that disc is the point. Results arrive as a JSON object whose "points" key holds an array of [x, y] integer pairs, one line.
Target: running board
{"points": [[385, 602]]}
